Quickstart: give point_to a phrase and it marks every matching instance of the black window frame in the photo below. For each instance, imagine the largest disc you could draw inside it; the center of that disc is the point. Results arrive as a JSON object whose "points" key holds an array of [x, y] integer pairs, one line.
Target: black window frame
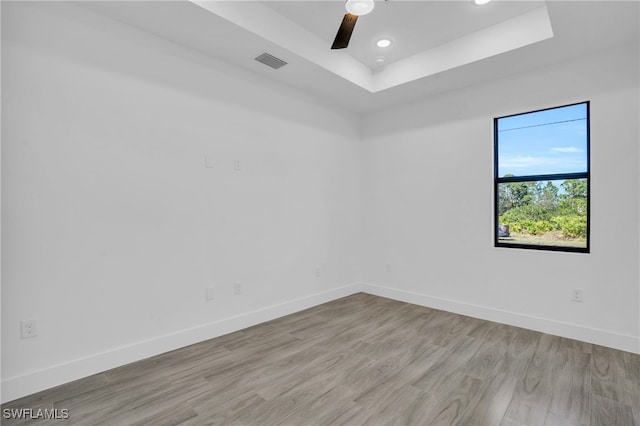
{"points": [[545, 177]]}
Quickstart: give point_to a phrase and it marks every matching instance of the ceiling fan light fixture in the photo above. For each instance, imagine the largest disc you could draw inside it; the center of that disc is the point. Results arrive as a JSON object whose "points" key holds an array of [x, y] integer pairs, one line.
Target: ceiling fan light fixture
{"points": [[481, 2], [359, 7], [383, 42]]}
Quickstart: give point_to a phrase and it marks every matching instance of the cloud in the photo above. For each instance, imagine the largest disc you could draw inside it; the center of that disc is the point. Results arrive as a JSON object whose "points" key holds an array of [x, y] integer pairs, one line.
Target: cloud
{"points": [[566, 149], [540, 163], [526, 161]]}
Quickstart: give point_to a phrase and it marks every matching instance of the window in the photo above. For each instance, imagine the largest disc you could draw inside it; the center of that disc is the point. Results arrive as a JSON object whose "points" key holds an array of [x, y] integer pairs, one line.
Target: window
{"points": [[541, 184]]}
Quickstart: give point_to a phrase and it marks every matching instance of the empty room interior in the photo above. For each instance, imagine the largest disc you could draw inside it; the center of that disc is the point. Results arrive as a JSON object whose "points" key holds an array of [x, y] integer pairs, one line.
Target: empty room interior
{"points": [[320, 212]]}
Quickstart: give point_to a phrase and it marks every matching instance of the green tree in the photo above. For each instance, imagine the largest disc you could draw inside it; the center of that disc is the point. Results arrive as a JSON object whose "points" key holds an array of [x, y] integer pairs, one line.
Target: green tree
{"points": [[575, 188], [517, 194], [549, 196], [574, 200]]}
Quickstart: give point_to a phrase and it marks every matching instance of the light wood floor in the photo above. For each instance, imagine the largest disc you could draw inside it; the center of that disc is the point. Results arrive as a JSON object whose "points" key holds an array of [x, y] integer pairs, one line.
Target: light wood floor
{"points": [[363, 360]]}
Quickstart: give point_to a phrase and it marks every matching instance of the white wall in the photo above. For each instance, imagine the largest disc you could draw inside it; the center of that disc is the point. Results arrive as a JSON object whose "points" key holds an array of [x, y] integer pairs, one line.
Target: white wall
{"points": [[113, 227], [428, 173]]}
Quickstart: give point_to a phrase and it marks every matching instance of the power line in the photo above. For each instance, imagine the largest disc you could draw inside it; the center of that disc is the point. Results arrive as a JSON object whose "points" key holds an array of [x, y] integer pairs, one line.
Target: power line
{"points": [[544, 124]]}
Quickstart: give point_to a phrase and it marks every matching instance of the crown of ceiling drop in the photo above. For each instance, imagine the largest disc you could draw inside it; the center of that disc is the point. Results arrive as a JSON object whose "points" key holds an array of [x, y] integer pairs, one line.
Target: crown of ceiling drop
{"points": [[266, 21]]}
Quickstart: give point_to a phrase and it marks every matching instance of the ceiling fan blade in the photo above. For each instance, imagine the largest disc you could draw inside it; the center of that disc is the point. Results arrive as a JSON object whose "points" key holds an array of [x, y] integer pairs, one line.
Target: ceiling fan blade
{"points": [[344, 32]]}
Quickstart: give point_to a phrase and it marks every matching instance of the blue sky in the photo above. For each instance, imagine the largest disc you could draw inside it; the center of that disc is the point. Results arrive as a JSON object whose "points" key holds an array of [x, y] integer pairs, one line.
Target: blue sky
{"points": [[544, 142]]}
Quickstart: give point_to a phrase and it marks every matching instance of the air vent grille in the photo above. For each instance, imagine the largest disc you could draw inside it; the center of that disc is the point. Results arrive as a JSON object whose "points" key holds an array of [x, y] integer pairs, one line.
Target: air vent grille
{"points": [[271, 61]]}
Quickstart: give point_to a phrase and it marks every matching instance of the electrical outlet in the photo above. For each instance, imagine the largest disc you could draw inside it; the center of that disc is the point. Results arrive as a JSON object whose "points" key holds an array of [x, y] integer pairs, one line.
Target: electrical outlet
{"points": [[28, 328], [237, 288], [208, 162], [388, 267], [318, 272], [236, 164], [210, 293], [577, 295]]}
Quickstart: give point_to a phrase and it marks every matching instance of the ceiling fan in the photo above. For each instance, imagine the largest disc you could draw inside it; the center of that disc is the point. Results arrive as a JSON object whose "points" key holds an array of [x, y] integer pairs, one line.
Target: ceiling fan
{"points": [[354, 8]]}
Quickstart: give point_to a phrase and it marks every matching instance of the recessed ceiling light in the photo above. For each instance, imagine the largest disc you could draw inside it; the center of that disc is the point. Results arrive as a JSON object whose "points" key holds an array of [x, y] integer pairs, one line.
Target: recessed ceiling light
{"points": [[481, 2], [359, 7], [383, 42]]}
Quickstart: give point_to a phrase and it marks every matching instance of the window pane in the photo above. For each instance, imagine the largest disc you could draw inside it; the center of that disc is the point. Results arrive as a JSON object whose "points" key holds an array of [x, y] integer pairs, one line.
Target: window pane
{"points": [[544, 142], [543, 213]]}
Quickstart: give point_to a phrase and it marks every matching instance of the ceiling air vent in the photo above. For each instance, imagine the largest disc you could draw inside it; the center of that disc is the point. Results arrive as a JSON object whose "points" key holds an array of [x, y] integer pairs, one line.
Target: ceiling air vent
{"points": [[271, 61]]}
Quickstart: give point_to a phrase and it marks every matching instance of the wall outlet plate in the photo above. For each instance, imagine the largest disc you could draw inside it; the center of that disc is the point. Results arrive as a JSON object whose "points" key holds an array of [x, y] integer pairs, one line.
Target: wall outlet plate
{"points": [[210, 293], [28, 328], [577, 295]]}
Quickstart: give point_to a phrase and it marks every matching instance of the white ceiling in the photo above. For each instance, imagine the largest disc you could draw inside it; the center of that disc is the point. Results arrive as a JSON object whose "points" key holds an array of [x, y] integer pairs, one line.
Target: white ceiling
{"points": [[413, 26], [437, 45]]}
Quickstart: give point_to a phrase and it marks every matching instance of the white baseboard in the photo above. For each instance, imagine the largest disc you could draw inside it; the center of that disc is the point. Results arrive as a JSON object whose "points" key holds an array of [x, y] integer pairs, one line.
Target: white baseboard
{"points": [[36, 381], [607, 338]]}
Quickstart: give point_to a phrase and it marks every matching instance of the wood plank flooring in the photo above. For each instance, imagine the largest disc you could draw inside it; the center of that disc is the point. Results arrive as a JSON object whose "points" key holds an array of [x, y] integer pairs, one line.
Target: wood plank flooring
{"points": [[361, 360]]}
